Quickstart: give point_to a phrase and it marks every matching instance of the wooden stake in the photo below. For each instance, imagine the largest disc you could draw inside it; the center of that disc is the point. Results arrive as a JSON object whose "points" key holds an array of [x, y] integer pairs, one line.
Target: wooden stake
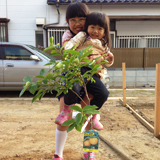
{"points": [[140, 118], [157, 102], [124, 82], [125, 157]]}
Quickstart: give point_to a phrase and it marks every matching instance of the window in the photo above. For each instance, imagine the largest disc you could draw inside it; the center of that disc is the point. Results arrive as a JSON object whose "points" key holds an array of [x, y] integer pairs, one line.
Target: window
{"points": [[153, 42], [57, 35], [4, 29], [39, 39], [138, 42], [16, 53], [112, 33]]}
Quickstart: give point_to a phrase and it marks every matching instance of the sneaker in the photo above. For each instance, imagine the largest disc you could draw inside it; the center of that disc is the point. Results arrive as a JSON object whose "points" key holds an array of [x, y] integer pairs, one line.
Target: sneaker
{"points": [[56, 157], [86, 155]]}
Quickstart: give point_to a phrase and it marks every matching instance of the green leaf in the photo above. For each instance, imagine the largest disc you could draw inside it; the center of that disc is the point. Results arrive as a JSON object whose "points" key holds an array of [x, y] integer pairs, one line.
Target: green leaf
{"points": [[87, 53], [49, 48], [21, 93], [89, 107], [51, 40], [43, 72], [40, 91], [71, 127], [59, 92], [58, 66], [83, 119], [72, 59], [78, 127], [72, 52], [36, 96], [39, 76], [55, 53], [45, 81], [91, 112], [68, 122], [44, 92], [27, 78], [27, 84], [49, 76], [76, 108], [87, 48], [78, 118], [33, 88], [47, 64]]}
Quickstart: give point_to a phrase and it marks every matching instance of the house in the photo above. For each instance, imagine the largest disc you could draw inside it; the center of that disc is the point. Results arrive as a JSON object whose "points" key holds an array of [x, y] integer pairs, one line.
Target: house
{"points": [[135, 31]]}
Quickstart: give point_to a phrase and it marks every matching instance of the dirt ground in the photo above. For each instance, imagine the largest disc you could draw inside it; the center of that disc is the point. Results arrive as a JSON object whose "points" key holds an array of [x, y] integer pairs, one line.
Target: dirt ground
{"points": [[27, 131]]}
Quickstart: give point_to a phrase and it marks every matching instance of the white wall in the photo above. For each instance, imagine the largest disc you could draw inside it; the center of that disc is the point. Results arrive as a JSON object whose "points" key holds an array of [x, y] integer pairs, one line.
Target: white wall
{"points": [[133, 28], [23, 14]]}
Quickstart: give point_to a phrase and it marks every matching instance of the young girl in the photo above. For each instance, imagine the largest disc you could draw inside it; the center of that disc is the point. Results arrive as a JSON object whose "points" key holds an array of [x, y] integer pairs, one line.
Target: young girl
{"points": [[100, 42], [98, 36], [76, 17]]}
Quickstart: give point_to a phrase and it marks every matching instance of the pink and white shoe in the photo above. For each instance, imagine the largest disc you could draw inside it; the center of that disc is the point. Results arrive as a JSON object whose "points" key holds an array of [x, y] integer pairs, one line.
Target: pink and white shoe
{"points": [[86, 155], [64, 115], [96, 124], [56, 157]]}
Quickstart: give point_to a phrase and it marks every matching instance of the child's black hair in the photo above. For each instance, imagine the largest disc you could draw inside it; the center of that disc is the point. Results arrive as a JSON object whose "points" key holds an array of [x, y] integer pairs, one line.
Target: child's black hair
{"points": [[101, 19], [76, 9]]}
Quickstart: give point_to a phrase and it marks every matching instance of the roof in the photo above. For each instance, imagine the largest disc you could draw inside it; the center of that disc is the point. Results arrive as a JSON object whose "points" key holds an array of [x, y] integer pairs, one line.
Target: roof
{"points": [[51, 2]]}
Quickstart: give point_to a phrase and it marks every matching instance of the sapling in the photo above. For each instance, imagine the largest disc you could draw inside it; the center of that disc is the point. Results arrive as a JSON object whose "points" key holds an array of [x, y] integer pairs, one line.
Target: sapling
{"points": [[55, 79]]}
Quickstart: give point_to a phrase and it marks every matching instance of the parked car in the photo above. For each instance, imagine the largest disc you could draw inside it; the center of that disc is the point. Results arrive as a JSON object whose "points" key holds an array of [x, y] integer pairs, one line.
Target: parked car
{"points": [[19, 60]]}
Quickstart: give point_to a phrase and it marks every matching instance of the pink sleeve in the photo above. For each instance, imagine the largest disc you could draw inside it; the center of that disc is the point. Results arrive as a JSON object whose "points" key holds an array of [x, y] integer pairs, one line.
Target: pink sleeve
{"points": [[77, 40], [66, 36]]}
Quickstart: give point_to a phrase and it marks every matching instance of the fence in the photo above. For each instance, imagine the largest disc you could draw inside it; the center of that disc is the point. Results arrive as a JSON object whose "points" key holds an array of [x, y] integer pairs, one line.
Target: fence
{"points": [[135, 51], [136, 57], [138, 41]]}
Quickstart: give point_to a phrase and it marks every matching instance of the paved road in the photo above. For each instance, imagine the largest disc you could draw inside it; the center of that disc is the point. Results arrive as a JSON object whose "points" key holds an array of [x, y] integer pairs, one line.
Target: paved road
{"points": [[15, 94], [9, 94]]}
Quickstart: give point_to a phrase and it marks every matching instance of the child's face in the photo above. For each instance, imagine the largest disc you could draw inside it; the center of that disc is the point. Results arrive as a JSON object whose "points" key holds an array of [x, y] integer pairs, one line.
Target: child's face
{"points": [[96, 31], [77, 24]]}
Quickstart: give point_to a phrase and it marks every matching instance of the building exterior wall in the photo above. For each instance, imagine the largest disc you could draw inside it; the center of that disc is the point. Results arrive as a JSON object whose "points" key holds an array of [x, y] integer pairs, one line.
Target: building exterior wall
{"points": [[137, 28], [134, 78], [22, 27], [23, 14]]}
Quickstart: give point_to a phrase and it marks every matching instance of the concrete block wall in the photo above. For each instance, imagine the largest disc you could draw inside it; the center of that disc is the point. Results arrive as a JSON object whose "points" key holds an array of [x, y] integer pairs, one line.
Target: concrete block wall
{"points": [[134, 77]]}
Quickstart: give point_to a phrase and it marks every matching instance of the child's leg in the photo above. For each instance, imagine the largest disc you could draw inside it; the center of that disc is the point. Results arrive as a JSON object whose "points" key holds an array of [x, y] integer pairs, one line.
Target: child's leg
{"points": [[95, 122], [99, 92], [68, 100], [61, 134], [85, 99]]}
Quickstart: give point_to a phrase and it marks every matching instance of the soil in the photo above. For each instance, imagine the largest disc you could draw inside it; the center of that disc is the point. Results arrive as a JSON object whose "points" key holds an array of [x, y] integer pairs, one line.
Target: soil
{"points": [[27, 130]]}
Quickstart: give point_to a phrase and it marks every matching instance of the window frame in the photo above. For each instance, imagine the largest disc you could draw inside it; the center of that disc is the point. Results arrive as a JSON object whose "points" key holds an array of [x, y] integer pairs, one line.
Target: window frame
{"points": [[4, 29]]}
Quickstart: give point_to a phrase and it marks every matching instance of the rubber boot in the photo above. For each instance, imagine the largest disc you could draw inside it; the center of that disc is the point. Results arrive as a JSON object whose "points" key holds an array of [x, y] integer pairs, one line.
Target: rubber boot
{"points": [[64, 115]]}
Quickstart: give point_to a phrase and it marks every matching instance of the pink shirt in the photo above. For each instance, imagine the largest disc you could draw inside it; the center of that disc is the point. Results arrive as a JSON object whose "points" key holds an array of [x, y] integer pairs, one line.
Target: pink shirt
{"points": [[66, 36]]}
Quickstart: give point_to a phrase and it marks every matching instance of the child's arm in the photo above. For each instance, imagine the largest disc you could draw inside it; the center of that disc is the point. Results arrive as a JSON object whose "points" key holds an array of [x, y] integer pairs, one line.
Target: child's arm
{"points": [[110, 58], [66, 37], [76, 40]]}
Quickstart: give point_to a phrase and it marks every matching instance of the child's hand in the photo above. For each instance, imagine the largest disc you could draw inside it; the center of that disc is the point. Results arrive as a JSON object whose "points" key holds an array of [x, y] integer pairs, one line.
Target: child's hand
{"points": [[109, 57], [93, 56]]}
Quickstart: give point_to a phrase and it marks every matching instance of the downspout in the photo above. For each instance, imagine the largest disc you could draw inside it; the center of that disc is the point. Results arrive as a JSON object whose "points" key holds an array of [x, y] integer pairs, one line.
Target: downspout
{"points": [[45, 27]]}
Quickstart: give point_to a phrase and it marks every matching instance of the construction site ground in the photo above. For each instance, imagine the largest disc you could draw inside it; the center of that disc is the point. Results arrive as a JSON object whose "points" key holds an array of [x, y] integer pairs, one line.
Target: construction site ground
{"points": [[27, 130]]}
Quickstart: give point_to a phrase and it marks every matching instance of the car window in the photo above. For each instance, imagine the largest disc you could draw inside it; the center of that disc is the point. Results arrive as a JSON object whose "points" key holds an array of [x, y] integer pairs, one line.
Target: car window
{"points": [[41, 52], [16, 53]]}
